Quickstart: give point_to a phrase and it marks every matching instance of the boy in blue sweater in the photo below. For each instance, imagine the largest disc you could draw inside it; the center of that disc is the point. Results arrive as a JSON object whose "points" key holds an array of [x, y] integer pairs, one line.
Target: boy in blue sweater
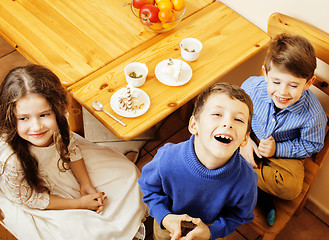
{"points": [[288, 121], [204, 180]]}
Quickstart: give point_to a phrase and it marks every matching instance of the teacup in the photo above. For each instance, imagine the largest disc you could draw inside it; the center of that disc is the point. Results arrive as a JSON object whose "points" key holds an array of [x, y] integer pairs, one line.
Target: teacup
{"points": [[136, 73], [190, 49]]}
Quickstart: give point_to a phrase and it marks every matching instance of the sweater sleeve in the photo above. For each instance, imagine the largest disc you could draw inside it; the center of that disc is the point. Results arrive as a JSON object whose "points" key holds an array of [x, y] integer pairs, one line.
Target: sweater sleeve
{"points": [[241, 213], [151, 187]]}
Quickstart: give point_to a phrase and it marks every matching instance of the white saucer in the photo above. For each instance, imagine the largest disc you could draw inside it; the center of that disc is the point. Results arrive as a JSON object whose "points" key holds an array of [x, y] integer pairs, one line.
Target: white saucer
{"points": [[115, 105], [184, 76]]}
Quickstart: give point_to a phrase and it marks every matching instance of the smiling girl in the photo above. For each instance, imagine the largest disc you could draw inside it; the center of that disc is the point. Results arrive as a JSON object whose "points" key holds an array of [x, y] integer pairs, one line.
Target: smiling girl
{"points": [[44, 166]]}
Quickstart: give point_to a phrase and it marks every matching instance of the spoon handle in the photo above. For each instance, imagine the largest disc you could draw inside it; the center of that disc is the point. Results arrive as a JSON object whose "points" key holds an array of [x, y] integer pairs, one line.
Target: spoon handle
{"points": [[116, 119]]}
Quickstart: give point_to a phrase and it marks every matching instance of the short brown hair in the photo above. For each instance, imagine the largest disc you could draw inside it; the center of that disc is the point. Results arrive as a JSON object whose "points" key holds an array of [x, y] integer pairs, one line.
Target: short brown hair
{"points": [[293, 53], [233, 91]]}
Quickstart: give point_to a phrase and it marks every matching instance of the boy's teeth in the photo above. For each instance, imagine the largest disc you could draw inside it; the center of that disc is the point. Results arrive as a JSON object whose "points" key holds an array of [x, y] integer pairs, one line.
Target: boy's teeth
{"points": [[282, 99], [223, 136]]}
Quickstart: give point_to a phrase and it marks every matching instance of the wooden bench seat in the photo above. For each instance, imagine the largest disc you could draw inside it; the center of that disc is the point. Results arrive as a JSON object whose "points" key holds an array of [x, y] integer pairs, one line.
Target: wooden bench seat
{"points": [[279, 23]]}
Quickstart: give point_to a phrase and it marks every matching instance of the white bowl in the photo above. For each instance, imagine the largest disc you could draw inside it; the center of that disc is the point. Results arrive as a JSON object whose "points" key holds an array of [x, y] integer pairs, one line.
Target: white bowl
{"points": [[139, 69], [190, 49]]}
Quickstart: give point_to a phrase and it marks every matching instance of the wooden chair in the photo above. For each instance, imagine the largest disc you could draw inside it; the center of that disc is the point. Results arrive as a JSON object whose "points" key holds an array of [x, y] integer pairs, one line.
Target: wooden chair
{"points": [[4, 233], [279, 23]]}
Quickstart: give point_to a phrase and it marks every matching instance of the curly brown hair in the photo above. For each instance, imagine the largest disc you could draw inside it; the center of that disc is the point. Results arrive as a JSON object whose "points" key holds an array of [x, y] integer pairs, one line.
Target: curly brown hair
{"points": [[20, 82]]}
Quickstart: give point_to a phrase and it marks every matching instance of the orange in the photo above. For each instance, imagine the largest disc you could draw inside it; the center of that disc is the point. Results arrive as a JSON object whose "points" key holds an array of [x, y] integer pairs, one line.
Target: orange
{"points": [[165, 15], [171, 24], [165, 5], [178, 4]]}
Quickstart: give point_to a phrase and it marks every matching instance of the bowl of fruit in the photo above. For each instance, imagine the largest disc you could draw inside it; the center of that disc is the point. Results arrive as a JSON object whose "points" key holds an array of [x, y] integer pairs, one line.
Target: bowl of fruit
{"points": [[158, 15]]}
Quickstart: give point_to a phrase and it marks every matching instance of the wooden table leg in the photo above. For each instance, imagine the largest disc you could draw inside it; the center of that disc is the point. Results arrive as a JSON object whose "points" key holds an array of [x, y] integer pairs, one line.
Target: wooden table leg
{"points": [[75, 116]]}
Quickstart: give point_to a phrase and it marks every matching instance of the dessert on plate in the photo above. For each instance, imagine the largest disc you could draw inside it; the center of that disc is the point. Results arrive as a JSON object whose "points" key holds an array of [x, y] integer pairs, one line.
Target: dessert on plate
{"points": [[172, 69], [130, 100]]}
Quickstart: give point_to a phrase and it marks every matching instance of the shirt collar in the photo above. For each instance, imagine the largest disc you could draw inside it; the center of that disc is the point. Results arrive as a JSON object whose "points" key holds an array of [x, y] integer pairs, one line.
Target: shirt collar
{"points": [[298, 106]]}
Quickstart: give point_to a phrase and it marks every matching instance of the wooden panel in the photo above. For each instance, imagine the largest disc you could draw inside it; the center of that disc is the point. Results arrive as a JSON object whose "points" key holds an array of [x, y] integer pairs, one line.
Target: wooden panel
{"points": [[322, 84], [75, 38], [279, 23], [228, 40]]}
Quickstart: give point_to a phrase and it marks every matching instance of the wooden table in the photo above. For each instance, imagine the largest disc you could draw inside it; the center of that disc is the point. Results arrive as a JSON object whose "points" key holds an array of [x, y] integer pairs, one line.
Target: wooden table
{"points": [[228, 40], [75, 37], [79, 43]]}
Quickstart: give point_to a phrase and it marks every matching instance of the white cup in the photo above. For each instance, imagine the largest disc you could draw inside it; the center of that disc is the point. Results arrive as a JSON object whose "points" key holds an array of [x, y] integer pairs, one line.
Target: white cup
{"points": [[139, 69], [190, 49]]}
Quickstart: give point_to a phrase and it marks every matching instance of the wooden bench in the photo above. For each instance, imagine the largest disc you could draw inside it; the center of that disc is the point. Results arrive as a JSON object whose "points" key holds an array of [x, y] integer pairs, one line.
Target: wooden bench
{"points": [[279, 23]]}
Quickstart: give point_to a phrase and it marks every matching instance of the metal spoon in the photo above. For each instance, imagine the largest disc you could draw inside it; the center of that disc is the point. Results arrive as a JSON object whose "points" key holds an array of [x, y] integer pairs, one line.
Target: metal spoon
{"points": [[98, 106]]}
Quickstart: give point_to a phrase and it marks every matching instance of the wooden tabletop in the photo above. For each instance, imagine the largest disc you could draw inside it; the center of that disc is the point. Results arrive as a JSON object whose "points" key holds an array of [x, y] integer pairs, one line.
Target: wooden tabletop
{"points": [[228, 40], [75, 38]]}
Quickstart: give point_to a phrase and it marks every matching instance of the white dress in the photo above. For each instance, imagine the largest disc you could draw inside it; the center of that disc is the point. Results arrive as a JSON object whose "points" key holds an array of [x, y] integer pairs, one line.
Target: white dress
{"points": [[110, 172]]}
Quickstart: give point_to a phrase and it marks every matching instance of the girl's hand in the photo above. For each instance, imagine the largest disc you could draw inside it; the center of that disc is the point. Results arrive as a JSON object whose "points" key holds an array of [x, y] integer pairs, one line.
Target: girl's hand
{"points": [[172, 223], [93, 202], [80, 172], [87, 189], [200, 232], [248, 152], [267, 147]]}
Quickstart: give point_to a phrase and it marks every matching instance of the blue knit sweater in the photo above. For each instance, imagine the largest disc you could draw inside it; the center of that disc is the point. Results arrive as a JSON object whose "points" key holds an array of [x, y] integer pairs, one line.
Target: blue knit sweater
{"points": [[176, 182]]}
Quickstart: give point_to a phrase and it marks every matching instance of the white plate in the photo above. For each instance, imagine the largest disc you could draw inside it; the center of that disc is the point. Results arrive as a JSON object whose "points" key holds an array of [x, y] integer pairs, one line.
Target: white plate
{"points": [[184, 76], [143, 97]]}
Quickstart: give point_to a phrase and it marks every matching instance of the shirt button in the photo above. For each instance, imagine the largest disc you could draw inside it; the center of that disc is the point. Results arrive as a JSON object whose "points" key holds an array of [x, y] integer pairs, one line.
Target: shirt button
{"points": [[273, 120]]}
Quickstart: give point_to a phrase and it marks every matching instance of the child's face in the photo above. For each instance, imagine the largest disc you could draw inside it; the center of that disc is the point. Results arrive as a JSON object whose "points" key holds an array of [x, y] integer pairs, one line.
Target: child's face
{"points": [[36, 122], [284, 88], [220, 129]]}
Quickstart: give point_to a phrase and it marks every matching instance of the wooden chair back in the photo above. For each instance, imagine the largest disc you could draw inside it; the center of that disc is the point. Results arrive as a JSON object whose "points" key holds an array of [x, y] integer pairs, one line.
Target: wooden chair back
{"points": [[279, 23]]}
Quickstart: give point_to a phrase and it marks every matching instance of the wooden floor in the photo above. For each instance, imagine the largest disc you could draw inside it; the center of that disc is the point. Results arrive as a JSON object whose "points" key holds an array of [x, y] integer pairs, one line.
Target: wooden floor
{"points": [[311, 224]]}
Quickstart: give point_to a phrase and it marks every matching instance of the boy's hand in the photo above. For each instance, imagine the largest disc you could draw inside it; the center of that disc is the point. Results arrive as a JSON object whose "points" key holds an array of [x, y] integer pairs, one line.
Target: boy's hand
{"points": [[200, 232], [172, 223], [248, 152], [267, 147]]}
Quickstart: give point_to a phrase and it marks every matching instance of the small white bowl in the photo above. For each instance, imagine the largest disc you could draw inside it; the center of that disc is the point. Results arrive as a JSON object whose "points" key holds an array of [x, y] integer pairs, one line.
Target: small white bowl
{"points": [[190, 49], [139, 69]]}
